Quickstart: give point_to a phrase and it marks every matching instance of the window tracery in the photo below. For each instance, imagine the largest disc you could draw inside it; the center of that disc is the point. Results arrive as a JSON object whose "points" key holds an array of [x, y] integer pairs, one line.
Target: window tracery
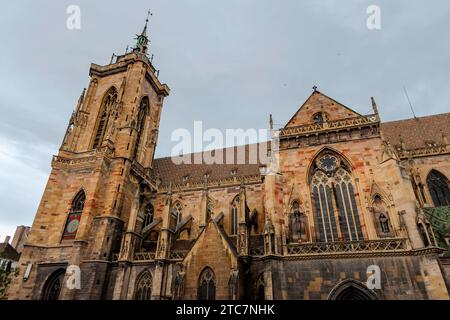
{"points": [[148, 215], [144, 286], [334, 200], [207, 285], [438, 186], [109, 101]]}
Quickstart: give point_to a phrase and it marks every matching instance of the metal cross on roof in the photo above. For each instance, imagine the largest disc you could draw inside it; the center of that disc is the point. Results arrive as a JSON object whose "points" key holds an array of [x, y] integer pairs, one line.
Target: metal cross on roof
{"points": [[315, 88]]}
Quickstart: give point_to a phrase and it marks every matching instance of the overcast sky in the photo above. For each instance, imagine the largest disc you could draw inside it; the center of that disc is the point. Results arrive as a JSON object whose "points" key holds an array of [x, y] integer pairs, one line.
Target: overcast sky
{"points": [[229, 63]]}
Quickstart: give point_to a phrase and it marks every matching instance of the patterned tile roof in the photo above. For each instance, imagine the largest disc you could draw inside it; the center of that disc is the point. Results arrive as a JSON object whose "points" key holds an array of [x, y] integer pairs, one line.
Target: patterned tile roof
{"points": [[415, 133], [169, 171]]}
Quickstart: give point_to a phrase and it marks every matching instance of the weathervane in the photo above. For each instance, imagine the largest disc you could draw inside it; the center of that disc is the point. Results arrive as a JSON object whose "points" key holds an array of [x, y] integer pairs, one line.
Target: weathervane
{"points": [[149, 13], [315, 88]]}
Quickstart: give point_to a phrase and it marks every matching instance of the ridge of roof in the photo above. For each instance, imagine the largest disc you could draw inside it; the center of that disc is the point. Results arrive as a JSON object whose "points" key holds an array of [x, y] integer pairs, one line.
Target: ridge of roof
{"points": [[418, 118]]}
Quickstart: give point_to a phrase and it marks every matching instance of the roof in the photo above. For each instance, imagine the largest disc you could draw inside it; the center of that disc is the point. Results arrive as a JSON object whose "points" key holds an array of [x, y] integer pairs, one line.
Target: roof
{"points": [[417, 132], [8, 252], [171, 172]]}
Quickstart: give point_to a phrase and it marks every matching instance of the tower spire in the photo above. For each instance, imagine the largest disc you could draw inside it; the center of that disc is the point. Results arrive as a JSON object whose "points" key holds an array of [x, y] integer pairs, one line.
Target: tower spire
{"points": [[144, 32], [142, 39]]}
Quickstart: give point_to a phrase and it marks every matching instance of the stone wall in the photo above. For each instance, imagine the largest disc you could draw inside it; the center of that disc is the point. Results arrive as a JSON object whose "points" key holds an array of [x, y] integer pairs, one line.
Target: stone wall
{"points": [[401, 277]]}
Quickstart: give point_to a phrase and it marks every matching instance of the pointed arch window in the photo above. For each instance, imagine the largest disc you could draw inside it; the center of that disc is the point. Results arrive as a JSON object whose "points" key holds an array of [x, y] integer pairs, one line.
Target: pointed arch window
{"points": [[334, 201], [260, 288], [144, 286], [148, 214], [207, 285], [352, 290], [234, 216], [102, 123], [438, 186], [74, 217], [140, 125], [52, 287]]}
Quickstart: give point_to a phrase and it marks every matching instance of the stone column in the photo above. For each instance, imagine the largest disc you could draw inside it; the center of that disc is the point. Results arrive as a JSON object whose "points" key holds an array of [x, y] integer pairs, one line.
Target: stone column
{"points": [[243, 233], [162, 252]]}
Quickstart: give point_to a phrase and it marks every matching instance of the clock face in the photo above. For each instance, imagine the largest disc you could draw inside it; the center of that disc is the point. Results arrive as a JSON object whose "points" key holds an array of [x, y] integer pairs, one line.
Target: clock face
{"points": [[73, 226], [328, 163]]}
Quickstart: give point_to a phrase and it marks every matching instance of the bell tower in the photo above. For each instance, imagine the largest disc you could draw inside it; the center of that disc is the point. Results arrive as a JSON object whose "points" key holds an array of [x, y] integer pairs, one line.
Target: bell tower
{"points": [[105, 159]]}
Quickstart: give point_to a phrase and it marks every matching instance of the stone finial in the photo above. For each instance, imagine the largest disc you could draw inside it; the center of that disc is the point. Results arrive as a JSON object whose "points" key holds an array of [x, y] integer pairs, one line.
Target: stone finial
{"points": [[374, 105], [81, 99], [205, 182], [444, 138], [402, 142], [112, 58], [242, 186]]}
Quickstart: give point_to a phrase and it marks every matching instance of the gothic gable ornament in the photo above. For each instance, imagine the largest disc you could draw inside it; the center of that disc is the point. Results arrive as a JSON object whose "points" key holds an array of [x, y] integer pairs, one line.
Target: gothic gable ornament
{"points": [[313, 111]]}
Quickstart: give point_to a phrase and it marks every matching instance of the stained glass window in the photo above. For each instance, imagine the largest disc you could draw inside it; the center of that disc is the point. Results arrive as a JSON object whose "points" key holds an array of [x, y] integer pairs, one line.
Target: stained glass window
{"points": [[52, 287], [334, 200], [438, 186], [74, 217]]}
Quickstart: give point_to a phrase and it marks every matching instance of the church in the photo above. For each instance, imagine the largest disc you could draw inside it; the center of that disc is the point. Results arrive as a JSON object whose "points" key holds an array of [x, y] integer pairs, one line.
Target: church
{"points": [[348, 207]]}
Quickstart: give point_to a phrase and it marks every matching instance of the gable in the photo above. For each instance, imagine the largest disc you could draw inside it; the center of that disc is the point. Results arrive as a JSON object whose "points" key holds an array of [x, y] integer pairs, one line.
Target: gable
{"points": [[211, 250], [318, 102], [212, 242]]}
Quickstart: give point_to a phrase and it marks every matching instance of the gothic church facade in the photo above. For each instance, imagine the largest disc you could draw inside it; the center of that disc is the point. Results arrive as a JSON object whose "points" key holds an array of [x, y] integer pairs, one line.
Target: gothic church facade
{"points": [[343, 193]]}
